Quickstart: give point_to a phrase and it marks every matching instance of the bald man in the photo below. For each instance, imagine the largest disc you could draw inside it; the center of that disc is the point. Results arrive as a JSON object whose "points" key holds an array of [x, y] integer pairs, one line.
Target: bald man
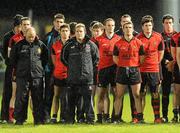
{"points": [[29, 56]]}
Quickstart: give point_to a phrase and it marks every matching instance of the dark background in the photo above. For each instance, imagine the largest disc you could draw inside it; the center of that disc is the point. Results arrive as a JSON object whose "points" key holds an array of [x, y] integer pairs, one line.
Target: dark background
{"points": [[42, 11], [84, 11]]}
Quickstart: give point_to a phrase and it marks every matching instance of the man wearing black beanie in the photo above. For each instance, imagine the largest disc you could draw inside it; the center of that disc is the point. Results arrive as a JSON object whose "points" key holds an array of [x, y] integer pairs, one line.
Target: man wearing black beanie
{"points": [[7, 88]]}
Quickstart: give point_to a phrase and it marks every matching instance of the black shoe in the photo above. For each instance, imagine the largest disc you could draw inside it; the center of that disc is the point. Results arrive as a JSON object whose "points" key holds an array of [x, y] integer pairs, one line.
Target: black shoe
{"points": [[121, 121], [99, 122], [38, 122], [81, 121], [70, 121], [164, 119], [47, 121], [53, 121], [174, 120], [90, 122], [62, 121], [108, 120], [116, 122], [18, 123]]}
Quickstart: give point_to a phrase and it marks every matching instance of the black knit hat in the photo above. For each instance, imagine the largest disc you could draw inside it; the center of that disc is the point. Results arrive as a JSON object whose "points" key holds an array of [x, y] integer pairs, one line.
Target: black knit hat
{"points": [[17, 19]]}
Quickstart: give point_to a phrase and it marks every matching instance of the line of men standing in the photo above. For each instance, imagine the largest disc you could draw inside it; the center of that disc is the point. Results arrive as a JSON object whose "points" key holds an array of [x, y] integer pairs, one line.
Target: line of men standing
{"points": [[66, 69]]}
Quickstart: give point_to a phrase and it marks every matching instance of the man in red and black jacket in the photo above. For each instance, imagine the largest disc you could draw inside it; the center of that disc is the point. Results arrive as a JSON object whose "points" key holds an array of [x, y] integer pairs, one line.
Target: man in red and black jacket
{"points": [[128, 54], [166, 63], [154, 51], [106, 69], [7, 89], [124, 19], [175, 51]]}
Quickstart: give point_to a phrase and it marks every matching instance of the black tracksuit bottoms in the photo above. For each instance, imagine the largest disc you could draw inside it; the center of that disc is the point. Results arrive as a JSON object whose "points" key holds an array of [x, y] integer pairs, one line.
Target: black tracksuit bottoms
{"points": [[79, 98], [24, 85]]}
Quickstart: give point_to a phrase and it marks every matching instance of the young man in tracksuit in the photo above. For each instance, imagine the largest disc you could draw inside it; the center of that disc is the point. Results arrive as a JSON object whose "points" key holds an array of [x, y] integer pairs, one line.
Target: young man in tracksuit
{"points": [[29, 57], [7, 89], [51, 38], [81, 56], [166, 63]]}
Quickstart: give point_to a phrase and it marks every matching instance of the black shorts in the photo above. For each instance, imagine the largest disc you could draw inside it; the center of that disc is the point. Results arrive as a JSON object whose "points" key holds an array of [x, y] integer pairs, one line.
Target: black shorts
{"points": [[107, 76], [59, 83], [176, 74], [128, 75], [150, 79]]}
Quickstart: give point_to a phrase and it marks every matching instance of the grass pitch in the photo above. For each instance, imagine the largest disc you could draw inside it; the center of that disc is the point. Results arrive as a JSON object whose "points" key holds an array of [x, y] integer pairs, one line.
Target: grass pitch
{"points": [[149, 127]]}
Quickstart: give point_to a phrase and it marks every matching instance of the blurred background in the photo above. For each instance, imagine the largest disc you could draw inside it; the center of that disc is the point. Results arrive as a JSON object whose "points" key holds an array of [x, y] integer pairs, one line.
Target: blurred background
{"points": [[41, 12]]}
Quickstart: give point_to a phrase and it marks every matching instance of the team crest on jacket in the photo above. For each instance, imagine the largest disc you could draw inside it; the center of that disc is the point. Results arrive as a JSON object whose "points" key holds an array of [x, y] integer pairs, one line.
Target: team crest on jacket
{"points": [[39, 51], [88, 48]]}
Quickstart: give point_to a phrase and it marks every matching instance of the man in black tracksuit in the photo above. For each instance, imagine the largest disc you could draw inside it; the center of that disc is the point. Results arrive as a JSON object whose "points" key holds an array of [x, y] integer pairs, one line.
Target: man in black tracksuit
{"points": [[80, 55], [7, 88], [28, 57]]}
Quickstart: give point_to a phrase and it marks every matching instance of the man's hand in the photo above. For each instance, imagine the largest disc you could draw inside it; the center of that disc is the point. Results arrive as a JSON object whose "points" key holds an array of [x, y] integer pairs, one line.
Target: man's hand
{"points": [[170, 66]]}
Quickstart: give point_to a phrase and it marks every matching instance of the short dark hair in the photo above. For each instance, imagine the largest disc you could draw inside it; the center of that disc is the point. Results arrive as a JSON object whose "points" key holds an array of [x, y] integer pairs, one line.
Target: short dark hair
{"points": [[146, 19], [59, 15], [127, 23], [24, 19], [64, 26], [17, 19], [72, 27], [126, 16], [108, 19], [167, 16]]}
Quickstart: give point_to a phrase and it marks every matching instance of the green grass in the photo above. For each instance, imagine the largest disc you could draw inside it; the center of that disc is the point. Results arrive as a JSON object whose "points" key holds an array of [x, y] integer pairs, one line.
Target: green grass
{"points": [[105, 128]]}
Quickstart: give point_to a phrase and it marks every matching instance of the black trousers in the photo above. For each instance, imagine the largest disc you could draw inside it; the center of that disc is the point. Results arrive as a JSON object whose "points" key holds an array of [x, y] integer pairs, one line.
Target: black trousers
{"points": [[64, 103], [79, 98], [7, 93], [166, 89], [48, 95], [24, 85]]}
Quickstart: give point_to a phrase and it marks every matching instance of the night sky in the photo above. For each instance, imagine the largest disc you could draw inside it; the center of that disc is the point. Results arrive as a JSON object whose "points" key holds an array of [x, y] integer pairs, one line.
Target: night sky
{"points": [[79, 10], [85, 10]]}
